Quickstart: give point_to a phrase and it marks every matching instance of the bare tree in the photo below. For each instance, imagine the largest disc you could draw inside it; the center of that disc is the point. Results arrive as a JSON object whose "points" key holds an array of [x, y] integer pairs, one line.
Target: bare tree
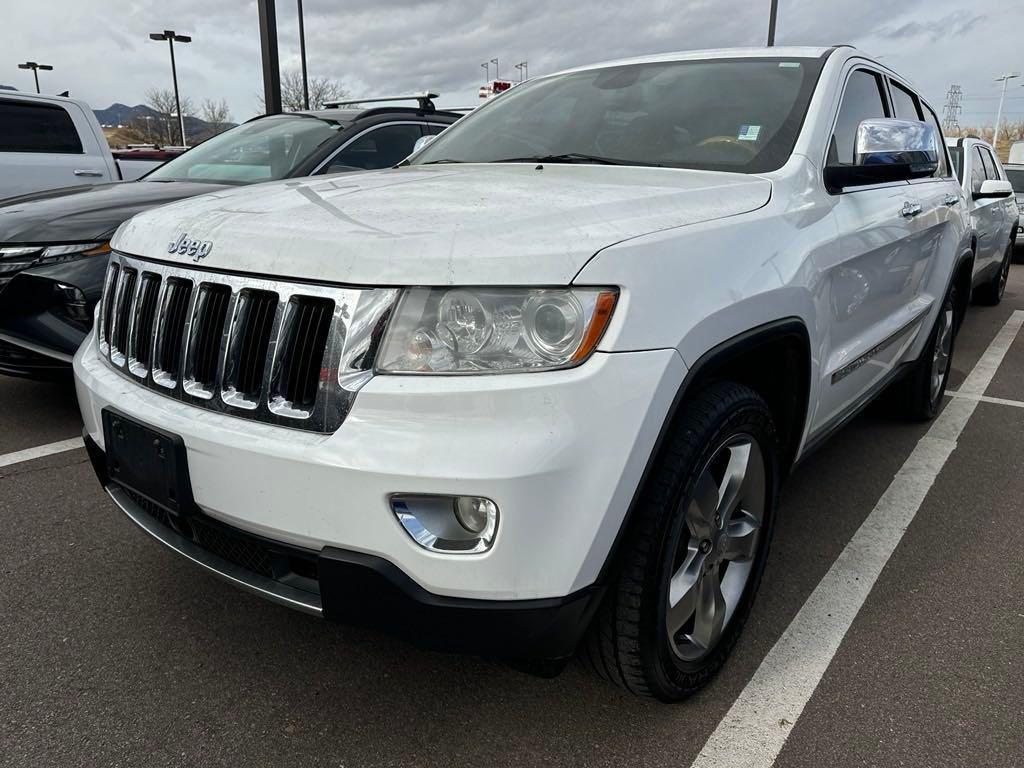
{"points": [[216, 114], [1009, 132], [162, 100], [321, 91]]}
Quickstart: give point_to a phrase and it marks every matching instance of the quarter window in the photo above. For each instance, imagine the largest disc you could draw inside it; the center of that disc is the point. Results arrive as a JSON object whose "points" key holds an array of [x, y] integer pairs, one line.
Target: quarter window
{"points": [[862, 100], [380, 148], [27, 127]]}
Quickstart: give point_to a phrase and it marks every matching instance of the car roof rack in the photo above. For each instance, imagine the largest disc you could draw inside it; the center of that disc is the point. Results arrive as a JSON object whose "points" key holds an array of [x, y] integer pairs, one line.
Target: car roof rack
{"points": [[425, 100]]}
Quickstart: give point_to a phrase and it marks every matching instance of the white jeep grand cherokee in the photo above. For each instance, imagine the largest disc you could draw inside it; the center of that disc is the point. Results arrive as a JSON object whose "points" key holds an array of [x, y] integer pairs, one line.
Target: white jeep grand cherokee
{"points": [[536, 388]]}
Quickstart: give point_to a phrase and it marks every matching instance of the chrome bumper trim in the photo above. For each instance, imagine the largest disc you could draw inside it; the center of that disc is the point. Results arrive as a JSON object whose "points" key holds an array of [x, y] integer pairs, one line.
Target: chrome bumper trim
{"points": [[250, 582]]}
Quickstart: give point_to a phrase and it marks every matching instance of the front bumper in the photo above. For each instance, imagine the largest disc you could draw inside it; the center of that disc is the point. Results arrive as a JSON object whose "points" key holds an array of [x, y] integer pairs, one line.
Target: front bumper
{"points": [[561, 453], [353, 587]]}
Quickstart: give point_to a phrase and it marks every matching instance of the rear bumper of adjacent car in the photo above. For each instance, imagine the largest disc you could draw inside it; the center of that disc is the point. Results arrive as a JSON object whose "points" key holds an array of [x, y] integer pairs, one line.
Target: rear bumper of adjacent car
{"points": [[305, 519]]}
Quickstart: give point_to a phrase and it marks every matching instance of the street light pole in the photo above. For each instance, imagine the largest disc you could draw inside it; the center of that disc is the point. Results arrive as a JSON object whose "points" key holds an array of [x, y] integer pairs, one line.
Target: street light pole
{"points": [[999, 113], [771, 22], [495, 63], [302, 54], [171, 37], [524, 71], [35, 70], [271, 65], [486, 67]]}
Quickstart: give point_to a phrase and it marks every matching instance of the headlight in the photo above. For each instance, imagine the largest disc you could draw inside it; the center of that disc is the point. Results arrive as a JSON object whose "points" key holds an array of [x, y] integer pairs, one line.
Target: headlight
{"points": [[494, 330], [55, 254]]}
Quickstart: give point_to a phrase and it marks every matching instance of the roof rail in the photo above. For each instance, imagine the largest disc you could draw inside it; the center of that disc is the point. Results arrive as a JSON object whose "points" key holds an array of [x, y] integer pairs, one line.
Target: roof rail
{"points": [[425, 99]]}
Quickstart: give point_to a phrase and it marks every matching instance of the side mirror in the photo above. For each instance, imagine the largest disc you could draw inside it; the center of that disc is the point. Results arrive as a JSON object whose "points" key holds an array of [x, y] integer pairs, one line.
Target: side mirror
{"points": [[887, 150], [421, 142], [991, 188]]}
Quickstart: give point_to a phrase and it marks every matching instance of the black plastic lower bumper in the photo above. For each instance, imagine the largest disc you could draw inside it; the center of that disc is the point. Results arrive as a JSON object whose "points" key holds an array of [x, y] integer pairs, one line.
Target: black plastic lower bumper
{"points": [[354, 587]]}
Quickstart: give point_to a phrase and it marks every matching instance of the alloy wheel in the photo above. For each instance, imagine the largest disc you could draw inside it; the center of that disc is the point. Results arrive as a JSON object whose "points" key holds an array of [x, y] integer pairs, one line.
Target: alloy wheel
{"points": [[715, 554], [943, 351], [1004, 274]]}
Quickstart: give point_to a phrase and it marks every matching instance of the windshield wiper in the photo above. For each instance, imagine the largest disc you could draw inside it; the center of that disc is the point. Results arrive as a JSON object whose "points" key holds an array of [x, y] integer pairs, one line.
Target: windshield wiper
{"points": [[439, 162], [574, 157]]}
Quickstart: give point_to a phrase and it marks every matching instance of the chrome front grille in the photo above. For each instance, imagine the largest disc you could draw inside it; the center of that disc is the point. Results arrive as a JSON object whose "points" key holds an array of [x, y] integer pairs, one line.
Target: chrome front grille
{"points": [[285, 353]]}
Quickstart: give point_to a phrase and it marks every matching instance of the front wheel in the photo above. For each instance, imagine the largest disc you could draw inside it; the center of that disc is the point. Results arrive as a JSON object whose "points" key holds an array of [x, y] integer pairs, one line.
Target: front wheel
{"points": [[695, 550], [991, 293]]}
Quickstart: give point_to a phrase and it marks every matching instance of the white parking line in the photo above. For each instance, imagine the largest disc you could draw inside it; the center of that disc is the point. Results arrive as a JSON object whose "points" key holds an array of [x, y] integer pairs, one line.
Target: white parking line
{"points": [[755, 728], [986, 399], [43, 450]]}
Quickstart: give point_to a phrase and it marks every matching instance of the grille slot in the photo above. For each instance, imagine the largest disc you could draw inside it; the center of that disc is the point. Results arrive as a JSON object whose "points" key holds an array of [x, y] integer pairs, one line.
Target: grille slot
{"points": [[141, 346], [249, 343], [123, 311], [171, 330], [205, 339], [301, 352], [107, 306], [276, 351]]}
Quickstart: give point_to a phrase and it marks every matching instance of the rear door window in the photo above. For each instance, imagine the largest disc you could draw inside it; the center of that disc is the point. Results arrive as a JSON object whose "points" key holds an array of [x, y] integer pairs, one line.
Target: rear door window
{"points": [[904, 103], [43, 128]]}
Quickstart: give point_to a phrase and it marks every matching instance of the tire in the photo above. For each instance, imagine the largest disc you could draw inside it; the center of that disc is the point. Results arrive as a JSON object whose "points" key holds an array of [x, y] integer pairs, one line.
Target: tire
{"points": [[673, 533], [991, 293], [918, 396]]}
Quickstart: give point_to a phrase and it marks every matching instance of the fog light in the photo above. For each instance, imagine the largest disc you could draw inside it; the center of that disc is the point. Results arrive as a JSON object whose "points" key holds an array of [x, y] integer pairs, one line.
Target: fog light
{"points": [[475, 512], [452, 524]]}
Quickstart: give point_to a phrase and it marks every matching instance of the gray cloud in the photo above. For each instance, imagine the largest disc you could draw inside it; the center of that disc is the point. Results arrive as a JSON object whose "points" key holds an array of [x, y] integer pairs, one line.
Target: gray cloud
{"points": [[102, 52]]}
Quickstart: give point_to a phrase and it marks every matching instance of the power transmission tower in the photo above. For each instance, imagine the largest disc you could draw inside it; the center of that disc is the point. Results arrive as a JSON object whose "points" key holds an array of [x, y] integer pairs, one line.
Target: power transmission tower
{"points": [[951, 111]]}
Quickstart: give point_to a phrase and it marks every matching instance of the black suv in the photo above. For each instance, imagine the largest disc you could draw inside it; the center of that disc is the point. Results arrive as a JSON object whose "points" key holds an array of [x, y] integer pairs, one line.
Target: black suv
{"points": [[53, 244]]}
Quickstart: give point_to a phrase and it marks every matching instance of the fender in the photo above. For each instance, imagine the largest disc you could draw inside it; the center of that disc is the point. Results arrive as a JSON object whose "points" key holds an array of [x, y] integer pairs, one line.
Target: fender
{"points": [[717, 357]]}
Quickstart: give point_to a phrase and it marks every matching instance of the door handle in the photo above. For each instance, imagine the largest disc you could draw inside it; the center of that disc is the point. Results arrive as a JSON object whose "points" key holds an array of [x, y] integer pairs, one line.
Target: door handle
{"points": [[910, 210], [81, 172], [951, 200]]}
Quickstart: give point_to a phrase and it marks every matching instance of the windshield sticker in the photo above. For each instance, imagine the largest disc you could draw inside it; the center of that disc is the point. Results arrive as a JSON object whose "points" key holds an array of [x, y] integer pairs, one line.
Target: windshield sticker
{"points": [[749, 132], [789, 64]]}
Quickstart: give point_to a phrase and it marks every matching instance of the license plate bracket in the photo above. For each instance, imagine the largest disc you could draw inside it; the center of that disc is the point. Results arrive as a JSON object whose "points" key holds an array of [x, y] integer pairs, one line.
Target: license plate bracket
{"points": [[148, 461]]}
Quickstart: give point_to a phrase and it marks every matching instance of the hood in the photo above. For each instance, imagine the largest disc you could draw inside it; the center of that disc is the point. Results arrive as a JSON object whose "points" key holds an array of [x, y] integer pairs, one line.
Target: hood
{"points": [[439, 225], [88, 212]]}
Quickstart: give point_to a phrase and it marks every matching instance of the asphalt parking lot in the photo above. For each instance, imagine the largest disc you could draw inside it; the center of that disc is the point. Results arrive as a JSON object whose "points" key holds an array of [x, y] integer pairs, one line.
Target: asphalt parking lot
{"points": [[114, 652]]}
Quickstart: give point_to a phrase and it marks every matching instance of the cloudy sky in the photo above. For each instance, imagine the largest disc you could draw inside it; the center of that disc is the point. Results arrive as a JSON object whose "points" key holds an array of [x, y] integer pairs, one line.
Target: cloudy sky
{"points": [[101, 51]]}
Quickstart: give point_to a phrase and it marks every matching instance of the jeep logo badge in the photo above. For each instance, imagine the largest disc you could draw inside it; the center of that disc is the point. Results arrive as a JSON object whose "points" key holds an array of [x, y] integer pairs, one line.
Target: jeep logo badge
{"points": [[197, 249]]}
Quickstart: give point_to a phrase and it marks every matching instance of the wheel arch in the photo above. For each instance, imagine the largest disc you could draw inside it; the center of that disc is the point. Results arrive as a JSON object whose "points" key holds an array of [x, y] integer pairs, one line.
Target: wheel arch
{"points": [[741, 358]]}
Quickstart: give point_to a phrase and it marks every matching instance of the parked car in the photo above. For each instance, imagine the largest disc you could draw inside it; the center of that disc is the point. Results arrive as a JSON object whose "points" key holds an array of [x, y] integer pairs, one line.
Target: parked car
{"points": [[48, 142], [988, 196], [54, 245], [536, 388], [1015, 175]]}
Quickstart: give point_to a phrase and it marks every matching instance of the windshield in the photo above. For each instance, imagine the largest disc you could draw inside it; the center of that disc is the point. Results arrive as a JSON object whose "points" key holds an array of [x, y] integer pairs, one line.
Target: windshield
{"points": [[261, 150], [722, 114], [1016, 178]]}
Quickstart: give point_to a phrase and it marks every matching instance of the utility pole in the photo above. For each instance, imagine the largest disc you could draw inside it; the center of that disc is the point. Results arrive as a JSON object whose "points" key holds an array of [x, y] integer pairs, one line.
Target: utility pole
{"points": [[172, 37], [302, 55], [951, 111], [495, 63], [271, 65], [35, 70], [771, 22], [999, 114], [524, 70]]}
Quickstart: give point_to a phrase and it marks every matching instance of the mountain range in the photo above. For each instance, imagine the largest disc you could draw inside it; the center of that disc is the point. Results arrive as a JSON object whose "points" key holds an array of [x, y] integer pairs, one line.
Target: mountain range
{"points": [[121, 114]]}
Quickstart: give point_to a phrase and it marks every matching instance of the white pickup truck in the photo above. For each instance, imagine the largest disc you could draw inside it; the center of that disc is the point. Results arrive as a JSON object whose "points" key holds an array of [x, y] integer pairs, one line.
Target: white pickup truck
{"points": [[48, 142]]}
